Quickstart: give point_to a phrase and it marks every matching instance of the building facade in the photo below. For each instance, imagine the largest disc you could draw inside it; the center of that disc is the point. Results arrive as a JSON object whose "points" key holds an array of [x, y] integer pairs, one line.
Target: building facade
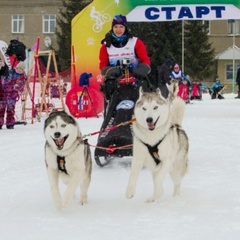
{"points": [[28, 20], [225, 38]]}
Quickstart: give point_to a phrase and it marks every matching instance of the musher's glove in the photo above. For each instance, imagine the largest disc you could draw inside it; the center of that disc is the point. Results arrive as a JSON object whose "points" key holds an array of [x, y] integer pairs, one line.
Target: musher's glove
{"points": [[111, 72], [141, 71]]}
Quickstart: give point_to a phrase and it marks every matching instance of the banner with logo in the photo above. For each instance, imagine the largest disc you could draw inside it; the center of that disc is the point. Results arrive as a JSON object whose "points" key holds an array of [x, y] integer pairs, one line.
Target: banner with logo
{"points": [[92, 23]]}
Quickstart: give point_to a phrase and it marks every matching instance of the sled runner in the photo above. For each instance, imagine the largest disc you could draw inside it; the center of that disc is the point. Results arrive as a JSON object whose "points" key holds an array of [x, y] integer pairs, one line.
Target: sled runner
{"points": [[120, 96]]}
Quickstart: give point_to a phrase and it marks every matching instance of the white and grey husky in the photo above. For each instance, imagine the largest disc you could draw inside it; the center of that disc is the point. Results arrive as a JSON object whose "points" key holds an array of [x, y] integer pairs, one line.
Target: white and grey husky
{"points": [[67, 157], [159, 142]]}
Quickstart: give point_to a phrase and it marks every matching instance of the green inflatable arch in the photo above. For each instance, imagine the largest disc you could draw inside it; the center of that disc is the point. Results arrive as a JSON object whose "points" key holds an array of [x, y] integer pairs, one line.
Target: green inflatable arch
{"points": [[92, 23]]}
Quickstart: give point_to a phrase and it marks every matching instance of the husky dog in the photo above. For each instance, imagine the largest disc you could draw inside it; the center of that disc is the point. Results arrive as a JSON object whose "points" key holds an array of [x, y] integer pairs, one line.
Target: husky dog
{"points": [[159, 143], [67, 157]]}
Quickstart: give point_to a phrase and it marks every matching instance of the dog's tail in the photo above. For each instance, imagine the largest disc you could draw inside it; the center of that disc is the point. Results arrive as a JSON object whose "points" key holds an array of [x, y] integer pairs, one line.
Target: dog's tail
{"points": [[88, 159], [177, 111]]}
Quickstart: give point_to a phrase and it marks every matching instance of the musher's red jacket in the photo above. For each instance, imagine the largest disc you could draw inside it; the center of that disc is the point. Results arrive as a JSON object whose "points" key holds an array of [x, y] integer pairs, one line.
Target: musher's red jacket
{"points": [[140, 51]]}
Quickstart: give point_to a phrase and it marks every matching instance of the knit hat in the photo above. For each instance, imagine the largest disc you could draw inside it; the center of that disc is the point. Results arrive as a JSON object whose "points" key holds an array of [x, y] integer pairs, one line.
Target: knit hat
{"points": [[169, 62], [21, 65], [119, 19]]}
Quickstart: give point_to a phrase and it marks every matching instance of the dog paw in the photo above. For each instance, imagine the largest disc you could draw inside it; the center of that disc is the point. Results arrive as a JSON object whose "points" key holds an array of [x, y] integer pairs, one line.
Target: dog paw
{"points": [[66, 202], [129, 193], [83, 200], [59, 206], [151, 200]]}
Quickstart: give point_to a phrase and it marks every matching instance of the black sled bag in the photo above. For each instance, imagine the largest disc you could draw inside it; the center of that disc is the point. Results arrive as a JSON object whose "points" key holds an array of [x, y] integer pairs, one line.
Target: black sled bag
{"points": [[120, 109]]}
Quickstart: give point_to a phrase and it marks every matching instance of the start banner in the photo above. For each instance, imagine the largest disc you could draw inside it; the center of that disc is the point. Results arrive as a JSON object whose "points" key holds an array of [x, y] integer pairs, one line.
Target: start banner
{"points": [[92, 23]]}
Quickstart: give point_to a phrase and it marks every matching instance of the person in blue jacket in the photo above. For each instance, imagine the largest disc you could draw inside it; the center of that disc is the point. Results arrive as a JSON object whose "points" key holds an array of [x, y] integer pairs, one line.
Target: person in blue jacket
{"points": [[216, 90], [216, 85]]}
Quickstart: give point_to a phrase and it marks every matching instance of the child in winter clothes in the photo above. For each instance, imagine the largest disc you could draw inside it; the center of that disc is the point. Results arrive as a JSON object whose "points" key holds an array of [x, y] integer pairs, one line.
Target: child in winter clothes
{"points": [[12, 82]]}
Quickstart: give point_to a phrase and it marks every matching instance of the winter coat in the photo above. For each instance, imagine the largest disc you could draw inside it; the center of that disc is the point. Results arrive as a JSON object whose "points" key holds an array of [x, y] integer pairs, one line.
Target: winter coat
{"points": [[140, 49], [163, 79], [12, 83], [238, 77], [216, 85], [4, 71], [179, 75], [164, 75], [140, 62]]}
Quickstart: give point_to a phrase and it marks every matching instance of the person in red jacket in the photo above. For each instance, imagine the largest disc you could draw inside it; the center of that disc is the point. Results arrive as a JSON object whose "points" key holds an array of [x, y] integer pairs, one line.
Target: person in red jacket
{"points": [[119, 47]]}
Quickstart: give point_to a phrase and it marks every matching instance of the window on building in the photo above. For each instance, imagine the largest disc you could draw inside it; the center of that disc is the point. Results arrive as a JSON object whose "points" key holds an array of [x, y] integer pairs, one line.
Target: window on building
{"points": [[229, 71], [17, 24], [234, 27], [49, 23]]}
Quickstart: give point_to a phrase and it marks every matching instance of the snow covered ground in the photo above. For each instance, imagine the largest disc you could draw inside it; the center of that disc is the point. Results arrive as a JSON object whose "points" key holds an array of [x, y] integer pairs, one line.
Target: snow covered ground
{"points": [[209, 206]]}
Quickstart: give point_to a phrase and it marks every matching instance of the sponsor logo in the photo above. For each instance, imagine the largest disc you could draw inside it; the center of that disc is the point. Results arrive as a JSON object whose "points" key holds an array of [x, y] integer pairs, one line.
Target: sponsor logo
{"points": [[125, 104]]}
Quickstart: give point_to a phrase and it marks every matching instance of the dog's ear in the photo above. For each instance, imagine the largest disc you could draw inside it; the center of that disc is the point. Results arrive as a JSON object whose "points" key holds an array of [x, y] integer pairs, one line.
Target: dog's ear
{"points": [[158, 92], [173, 90], [140, 91], [66, 109]]}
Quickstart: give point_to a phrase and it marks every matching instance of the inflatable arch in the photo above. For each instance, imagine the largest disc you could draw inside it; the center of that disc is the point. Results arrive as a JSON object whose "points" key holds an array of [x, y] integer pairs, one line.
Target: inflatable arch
{"points": [[92, 23]]}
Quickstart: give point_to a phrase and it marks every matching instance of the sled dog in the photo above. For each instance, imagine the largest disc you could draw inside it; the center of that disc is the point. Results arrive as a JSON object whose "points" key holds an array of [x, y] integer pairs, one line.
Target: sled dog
{"points": [[67, 157], [159, 142]]}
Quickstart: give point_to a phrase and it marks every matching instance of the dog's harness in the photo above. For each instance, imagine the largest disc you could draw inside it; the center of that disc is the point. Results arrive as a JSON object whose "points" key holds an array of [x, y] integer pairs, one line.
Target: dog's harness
{"points": [[61, 160], [61, 164], [153, 150]]}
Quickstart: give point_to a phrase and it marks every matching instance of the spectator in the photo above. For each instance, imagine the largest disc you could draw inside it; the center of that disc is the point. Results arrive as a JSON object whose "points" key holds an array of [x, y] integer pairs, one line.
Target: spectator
{"points": [[183, 82], [238, 82], [164, 77], [179, 75], [12, 82], [216, 85], [216, 90]]}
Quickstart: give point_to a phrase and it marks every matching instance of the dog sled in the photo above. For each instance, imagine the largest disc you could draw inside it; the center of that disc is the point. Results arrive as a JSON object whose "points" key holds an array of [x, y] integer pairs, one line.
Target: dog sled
{"points": [[183, 89], [196, 91], [120, 96]]}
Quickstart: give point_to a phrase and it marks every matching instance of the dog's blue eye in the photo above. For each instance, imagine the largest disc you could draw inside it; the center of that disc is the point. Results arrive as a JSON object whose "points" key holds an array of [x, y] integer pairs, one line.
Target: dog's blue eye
{"points": [[144, 109], [155, 108], [64, 125], [51, 126]]}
